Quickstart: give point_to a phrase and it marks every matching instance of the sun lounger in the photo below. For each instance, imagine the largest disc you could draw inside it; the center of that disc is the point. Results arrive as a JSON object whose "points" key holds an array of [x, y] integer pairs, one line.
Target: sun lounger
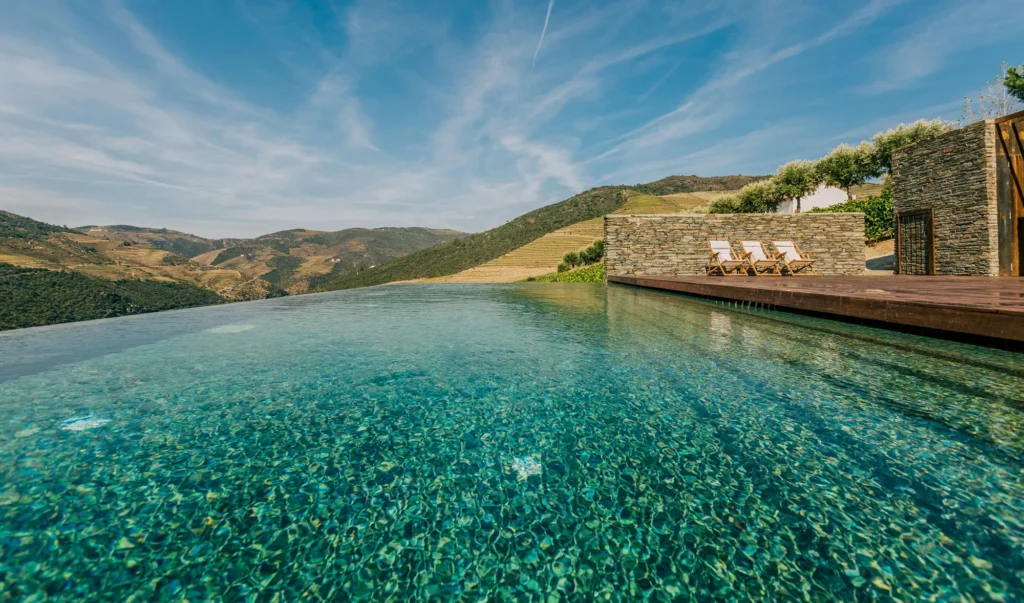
{"points": [[795, 261], [763, 262], [724, 261]]}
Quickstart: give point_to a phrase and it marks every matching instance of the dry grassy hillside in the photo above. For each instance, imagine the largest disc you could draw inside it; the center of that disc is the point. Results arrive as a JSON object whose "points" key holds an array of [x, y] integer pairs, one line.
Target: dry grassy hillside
{"points": [[542, 256], [232, 268], [533, 259], [111, 259]]}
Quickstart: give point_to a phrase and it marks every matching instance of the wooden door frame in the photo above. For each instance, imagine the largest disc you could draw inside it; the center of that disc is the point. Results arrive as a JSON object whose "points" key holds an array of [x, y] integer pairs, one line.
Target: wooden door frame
{"points": [[931, 236], [1010, 192]]}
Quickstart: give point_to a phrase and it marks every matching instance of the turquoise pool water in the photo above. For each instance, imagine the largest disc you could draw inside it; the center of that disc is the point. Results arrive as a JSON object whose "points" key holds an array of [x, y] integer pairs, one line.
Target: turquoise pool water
{"points": [[521, 442]]}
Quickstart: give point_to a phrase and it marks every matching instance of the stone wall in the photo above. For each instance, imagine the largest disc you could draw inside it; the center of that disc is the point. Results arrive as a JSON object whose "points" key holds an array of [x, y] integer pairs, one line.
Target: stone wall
{"points": [[954, 175], [677, 244]]}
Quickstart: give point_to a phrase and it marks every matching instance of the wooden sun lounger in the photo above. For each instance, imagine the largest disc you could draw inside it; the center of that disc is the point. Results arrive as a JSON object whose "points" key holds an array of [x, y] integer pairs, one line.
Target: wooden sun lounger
{"points": [[724, 260], [795, 261], [759, 258]]}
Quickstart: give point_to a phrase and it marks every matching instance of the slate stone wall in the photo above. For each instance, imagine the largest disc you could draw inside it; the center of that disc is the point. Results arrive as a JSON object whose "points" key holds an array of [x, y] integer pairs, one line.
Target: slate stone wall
{"points": [[677, 244], [954, 175]]}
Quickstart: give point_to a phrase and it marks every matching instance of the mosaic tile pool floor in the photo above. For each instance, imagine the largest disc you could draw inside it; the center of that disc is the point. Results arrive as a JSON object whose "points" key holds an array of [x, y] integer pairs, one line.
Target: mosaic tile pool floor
{"points": [[520, 442]]}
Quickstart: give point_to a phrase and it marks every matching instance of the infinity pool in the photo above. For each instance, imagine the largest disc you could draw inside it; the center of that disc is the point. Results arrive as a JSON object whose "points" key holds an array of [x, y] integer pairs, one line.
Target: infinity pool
{"points": [[521, 442]]}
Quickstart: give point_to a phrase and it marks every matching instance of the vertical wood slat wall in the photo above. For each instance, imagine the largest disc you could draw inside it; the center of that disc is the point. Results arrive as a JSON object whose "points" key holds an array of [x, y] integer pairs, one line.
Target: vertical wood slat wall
{"points": [[1010, 175]]}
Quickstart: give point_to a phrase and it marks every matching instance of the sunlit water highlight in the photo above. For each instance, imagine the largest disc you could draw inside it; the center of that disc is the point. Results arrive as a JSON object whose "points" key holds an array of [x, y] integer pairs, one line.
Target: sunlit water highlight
{"points": [[527, 442]]}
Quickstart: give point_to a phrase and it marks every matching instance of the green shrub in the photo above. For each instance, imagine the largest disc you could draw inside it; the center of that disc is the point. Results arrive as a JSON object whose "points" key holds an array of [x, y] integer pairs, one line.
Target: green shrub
{"points": [[878, 214], [563, 267], [572, 259], [724, 205], [173, 259], [592, 254], [588, 274]]}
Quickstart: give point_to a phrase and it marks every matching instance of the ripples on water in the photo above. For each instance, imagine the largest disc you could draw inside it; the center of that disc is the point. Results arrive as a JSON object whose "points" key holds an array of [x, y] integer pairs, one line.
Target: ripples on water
{"points": [[506, 442]]}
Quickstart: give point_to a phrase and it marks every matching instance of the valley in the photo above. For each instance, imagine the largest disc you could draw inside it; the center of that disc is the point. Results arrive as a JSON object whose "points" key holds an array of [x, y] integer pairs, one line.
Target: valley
{"points": [[57, 274]]}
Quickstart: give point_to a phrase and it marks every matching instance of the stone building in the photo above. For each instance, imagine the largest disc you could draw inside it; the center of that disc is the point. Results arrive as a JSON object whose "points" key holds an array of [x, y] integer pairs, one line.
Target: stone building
{"points": [[959, 201]]}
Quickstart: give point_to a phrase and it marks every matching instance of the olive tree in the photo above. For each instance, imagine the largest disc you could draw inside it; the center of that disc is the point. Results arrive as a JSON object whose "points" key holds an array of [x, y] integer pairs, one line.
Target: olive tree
{"points": [[846, 166], [902, 135], [725, 204], [796, 180], [759, 197]]}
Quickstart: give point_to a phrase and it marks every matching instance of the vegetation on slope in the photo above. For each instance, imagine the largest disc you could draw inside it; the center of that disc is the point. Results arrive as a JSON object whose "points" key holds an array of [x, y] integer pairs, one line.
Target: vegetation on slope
{"points": [[585, 257], [477, 249], [34, 297], [180, 243], [18, 227], [588, 274], [239, 269], [642, 203], [692, 184], [284, 267], [360, 248]]}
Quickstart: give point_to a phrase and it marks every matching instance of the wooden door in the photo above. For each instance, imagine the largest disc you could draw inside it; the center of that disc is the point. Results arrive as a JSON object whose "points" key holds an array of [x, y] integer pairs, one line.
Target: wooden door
{"points": [[1010, 184], [915, 242]]}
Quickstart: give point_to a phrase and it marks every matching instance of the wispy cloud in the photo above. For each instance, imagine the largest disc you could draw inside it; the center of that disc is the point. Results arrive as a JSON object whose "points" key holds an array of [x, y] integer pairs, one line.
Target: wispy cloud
{"points": [[392, 112], [543, 32], [716, 101], [953, 28]]}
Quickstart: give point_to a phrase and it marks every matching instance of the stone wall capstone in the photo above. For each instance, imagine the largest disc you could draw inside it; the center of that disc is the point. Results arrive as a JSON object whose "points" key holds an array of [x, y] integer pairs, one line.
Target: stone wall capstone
{"points": [[677, 244], [955, 176]]}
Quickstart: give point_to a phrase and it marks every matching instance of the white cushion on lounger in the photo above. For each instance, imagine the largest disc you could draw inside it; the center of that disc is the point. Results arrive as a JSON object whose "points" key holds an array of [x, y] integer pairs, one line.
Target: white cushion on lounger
{"points": [[723, 250], [755, 250], [788, 249]]}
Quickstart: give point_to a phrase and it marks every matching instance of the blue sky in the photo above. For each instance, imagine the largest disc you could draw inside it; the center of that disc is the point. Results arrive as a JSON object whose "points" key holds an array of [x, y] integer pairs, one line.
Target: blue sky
{"points": [[242, 117]]}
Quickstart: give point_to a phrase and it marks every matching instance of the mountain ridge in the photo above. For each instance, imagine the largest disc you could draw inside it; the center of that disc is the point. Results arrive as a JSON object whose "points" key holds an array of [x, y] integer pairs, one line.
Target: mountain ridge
{"points": [[237, 269], [474, 250]]}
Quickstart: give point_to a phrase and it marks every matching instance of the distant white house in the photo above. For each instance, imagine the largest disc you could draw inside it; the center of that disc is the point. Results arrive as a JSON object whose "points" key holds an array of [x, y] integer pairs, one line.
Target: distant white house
{"points": [[825, 196]]}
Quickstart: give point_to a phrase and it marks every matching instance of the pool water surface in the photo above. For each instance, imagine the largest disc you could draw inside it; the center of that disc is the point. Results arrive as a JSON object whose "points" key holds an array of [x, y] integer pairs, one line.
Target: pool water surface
{"points": [[506, 442]]}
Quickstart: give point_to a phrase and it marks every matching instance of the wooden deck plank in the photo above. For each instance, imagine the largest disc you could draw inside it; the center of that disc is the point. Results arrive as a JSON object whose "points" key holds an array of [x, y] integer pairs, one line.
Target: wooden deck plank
{"points": [[973, 306]]}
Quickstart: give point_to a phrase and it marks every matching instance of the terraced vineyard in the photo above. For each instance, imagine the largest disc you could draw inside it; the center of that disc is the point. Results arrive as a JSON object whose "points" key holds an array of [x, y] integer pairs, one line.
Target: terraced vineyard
{"points": [[542, 256], [533, 259]]}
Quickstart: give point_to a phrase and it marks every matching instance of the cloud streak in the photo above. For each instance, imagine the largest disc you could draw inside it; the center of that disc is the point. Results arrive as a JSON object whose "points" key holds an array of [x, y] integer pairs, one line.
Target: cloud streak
{"points": [[393, 112], [543, 32]]}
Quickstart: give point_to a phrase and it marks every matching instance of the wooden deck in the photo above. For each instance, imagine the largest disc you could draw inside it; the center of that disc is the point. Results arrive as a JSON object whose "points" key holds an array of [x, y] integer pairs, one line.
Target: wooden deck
{"points": [[990, 308]]}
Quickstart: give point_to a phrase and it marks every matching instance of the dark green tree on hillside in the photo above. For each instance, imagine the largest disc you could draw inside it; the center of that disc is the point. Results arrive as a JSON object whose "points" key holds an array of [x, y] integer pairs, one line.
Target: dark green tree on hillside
{"points": [[1014, 82], [796, 180]]}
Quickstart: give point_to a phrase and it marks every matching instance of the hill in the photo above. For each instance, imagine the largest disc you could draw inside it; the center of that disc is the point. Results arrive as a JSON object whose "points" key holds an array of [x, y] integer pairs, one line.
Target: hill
{"points": [[236, 269], [537, 257], [474, 250], [13, 226], [693, 184], [28, 243], [34, 297], [542, 256], [288, 259], [178, 243], [532, 244]]}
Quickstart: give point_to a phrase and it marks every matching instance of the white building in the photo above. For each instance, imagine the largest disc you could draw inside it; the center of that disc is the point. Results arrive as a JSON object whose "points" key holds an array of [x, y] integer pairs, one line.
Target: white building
{"points": [[825, 196]]}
